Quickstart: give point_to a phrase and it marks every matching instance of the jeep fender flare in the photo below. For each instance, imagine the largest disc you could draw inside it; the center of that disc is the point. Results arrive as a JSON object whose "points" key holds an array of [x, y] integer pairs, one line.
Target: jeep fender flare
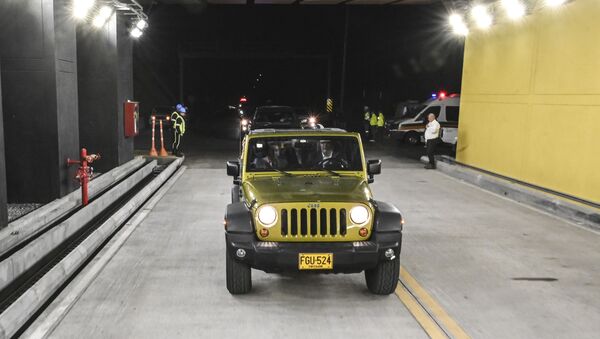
{"points": [[238, 218], [387, 218]]}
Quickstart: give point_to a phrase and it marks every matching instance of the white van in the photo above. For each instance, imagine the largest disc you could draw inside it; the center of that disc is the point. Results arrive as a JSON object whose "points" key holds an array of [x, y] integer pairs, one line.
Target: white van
{"points": [[445, 108]]}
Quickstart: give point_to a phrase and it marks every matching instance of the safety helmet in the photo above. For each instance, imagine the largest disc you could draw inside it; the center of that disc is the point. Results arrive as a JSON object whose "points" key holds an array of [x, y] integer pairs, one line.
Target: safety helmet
{"points": [[180, 108]]}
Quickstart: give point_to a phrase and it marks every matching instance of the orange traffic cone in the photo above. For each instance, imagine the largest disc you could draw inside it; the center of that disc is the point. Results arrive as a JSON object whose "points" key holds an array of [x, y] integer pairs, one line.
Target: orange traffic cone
{"points": [[153, 152], [163, 151]]}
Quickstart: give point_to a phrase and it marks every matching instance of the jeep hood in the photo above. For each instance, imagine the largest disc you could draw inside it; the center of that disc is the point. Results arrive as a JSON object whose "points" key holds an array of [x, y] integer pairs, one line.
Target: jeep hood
{"points": [[307, 189]]}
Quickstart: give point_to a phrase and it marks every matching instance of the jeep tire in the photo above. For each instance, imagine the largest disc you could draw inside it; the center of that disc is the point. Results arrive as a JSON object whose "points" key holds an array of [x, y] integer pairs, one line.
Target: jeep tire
{"points": [[383, 279], [239, 275]]}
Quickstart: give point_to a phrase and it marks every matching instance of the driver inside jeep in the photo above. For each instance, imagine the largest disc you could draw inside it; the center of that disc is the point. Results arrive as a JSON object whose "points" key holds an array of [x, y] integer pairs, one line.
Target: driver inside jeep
{"points": [[330, 158]]}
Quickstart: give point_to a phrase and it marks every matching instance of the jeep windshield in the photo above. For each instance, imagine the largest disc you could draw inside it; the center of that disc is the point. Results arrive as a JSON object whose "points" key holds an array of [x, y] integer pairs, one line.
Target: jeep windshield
{"points": [[304, 153]]}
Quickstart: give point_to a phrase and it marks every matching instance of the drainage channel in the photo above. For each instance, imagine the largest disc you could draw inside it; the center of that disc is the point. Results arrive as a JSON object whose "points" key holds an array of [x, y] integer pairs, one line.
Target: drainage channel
{"points": [[17, 288]]}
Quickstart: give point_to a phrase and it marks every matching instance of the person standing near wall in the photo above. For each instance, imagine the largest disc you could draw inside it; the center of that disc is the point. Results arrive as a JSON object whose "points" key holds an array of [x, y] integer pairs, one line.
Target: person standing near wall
{"points": [[432, 139], [373, 126], [380, 126]]}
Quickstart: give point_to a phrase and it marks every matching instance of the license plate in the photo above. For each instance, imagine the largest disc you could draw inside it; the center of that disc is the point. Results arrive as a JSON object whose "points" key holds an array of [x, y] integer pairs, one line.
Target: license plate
{"points": [[315, 261]]}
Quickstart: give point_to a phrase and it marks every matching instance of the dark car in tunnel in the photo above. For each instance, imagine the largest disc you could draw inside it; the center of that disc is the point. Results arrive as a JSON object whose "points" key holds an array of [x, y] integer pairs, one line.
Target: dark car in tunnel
{"points": [[279, 117], [270, 117]]}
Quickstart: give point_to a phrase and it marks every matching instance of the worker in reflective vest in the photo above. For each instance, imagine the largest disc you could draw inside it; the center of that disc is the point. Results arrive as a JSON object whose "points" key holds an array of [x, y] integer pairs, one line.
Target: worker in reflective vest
{"points": [[373, 124], [380, 125], [178, 128]]}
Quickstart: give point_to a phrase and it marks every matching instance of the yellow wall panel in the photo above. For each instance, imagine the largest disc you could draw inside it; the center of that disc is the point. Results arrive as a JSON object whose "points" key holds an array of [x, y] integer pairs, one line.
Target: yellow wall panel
{"points": [[530, 105], [505, 55], [567, 35]]}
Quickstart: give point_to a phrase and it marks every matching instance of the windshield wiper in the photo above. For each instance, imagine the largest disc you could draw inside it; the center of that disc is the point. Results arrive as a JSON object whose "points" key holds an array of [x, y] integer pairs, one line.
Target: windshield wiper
{"points": [[332, 172], [279, 171]]}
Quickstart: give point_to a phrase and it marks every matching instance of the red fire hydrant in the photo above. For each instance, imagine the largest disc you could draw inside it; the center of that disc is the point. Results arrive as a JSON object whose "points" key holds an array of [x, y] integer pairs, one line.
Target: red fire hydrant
{"points": [[84, 172]]}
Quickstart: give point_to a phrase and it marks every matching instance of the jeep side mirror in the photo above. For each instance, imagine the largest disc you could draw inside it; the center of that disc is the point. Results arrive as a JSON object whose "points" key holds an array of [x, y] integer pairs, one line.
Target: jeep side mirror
{"points": [[373, 168], [233, 170]]}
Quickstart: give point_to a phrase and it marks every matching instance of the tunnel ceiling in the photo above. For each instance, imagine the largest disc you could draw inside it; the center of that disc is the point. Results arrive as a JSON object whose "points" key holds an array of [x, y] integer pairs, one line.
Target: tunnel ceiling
{"points": [[291, 2]]}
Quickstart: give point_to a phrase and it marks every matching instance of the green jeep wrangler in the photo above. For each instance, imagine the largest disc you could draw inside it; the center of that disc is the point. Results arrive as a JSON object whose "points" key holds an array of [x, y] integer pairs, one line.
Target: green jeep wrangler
{"points": [[301, 202]]}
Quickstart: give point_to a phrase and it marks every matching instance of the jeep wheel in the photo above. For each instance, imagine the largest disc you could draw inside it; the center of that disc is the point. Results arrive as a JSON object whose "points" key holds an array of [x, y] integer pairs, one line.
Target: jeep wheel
{"points": [[383, 279], [239, 276]]}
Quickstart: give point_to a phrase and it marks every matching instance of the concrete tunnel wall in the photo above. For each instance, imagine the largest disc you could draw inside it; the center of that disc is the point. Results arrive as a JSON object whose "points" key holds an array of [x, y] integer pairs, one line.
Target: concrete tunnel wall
{"points": [[39, 86], [50, 111], [105, 82], [3, 207], [530, 105]]}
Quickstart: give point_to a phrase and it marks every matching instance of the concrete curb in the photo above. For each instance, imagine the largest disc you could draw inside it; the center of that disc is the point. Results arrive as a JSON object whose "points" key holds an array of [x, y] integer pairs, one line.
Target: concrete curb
{"points": [[29, 225], [45, 324], [585, 216], [25, 258], [18, 313]]}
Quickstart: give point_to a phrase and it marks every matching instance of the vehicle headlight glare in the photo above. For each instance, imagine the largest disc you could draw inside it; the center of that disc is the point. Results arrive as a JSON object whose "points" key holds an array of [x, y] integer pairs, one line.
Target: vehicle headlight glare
{"points": [[359, 214], [267, 215]]}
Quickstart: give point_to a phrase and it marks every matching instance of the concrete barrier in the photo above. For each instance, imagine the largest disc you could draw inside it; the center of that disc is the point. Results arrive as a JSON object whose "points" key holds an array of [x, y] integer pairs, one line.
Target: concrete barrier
{"points": [[19, 262], [31, 224], [578, 213], [19, 312], [46, 322]]}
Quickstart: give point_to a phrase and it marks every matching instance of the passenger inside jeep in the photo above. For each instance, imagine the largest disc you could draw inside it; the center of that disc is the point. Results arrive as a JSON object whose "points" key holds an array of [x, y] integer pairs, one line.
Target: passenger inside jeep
{"points": [[261, 156], [304, 154]]}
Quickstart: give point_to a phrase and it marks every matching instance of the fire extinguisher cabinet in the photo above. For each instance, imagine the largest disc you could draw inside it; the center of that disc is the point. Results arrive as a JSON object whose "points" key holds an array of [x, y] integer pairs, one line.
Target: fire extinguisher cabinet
{"points": [[131, 115]]}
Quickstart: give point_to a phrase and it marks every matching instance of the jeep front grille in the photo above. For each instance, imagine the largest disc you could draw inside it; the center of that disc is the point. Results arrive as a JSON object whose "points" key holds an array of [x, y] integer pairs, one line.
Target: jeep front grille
{"points": [[313, 222]]}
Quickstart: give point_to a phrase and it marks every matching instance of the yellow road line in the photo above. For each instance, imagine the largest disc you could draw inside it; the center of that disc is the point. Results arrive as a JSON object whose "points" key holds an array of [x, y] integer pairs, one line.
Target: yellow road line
{"points": [[433, 307], [431, 328]]}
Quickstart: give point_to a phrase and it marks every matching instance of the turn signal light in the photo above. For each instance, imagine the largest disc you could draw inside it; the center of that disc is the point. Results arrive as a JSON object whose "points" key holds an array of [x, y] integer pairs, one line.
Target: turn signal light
{"points": [[264, 232], [363, 232]]}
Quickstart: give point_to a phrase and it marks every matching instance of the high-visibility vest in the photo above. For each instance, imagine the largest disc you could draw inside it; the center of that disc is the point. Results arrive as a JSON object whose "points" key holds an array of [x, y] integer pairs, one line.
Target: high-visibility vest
{"points": [[373, 119], [178, 122], [380, 120]]}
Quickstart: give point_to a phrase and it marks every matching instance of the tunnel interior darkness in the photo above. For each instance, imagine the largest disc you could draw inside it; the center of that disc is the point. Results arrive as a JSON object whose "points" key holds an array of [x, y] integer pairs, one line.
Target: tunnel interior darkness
{"points": [[212, 83], [394, 53]]}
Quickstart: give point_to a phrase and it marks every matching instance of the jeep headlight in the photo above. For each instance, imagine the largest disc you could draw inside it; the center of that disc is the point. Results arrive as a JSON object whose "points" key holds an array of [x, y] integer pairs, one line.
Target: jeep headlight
{"points": [[267, 215], [359, 215]]}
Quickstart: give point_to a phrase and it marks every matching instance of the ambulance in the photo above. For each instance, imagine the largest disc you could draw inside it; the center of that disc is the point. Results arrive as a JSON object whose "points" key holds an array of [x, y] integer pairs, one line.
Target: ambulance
{"points": [[445, 107]]}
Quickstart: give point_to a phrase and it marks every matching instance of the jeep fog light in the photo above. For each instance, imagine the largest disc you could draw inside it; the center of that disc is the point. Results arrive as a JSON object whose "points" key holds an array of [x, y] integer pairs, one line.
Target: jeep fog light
{"points": [[267, 215], [359, 214], [363, 232], [264, 232]]}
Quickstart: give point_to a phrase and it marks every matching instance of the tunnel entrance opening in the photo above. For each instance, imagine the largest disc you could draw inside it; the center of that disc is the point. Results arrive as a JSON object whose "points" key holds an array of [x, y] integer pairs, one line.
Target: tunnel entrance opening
{"points": [[214, 91]]}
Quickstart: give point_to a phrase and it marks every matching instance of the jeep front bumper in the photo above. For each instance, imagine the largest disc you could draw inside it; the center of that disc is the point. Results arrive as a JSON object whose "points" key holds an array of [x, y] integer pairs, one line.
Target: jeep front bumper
{"points": [[348, 257]]}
